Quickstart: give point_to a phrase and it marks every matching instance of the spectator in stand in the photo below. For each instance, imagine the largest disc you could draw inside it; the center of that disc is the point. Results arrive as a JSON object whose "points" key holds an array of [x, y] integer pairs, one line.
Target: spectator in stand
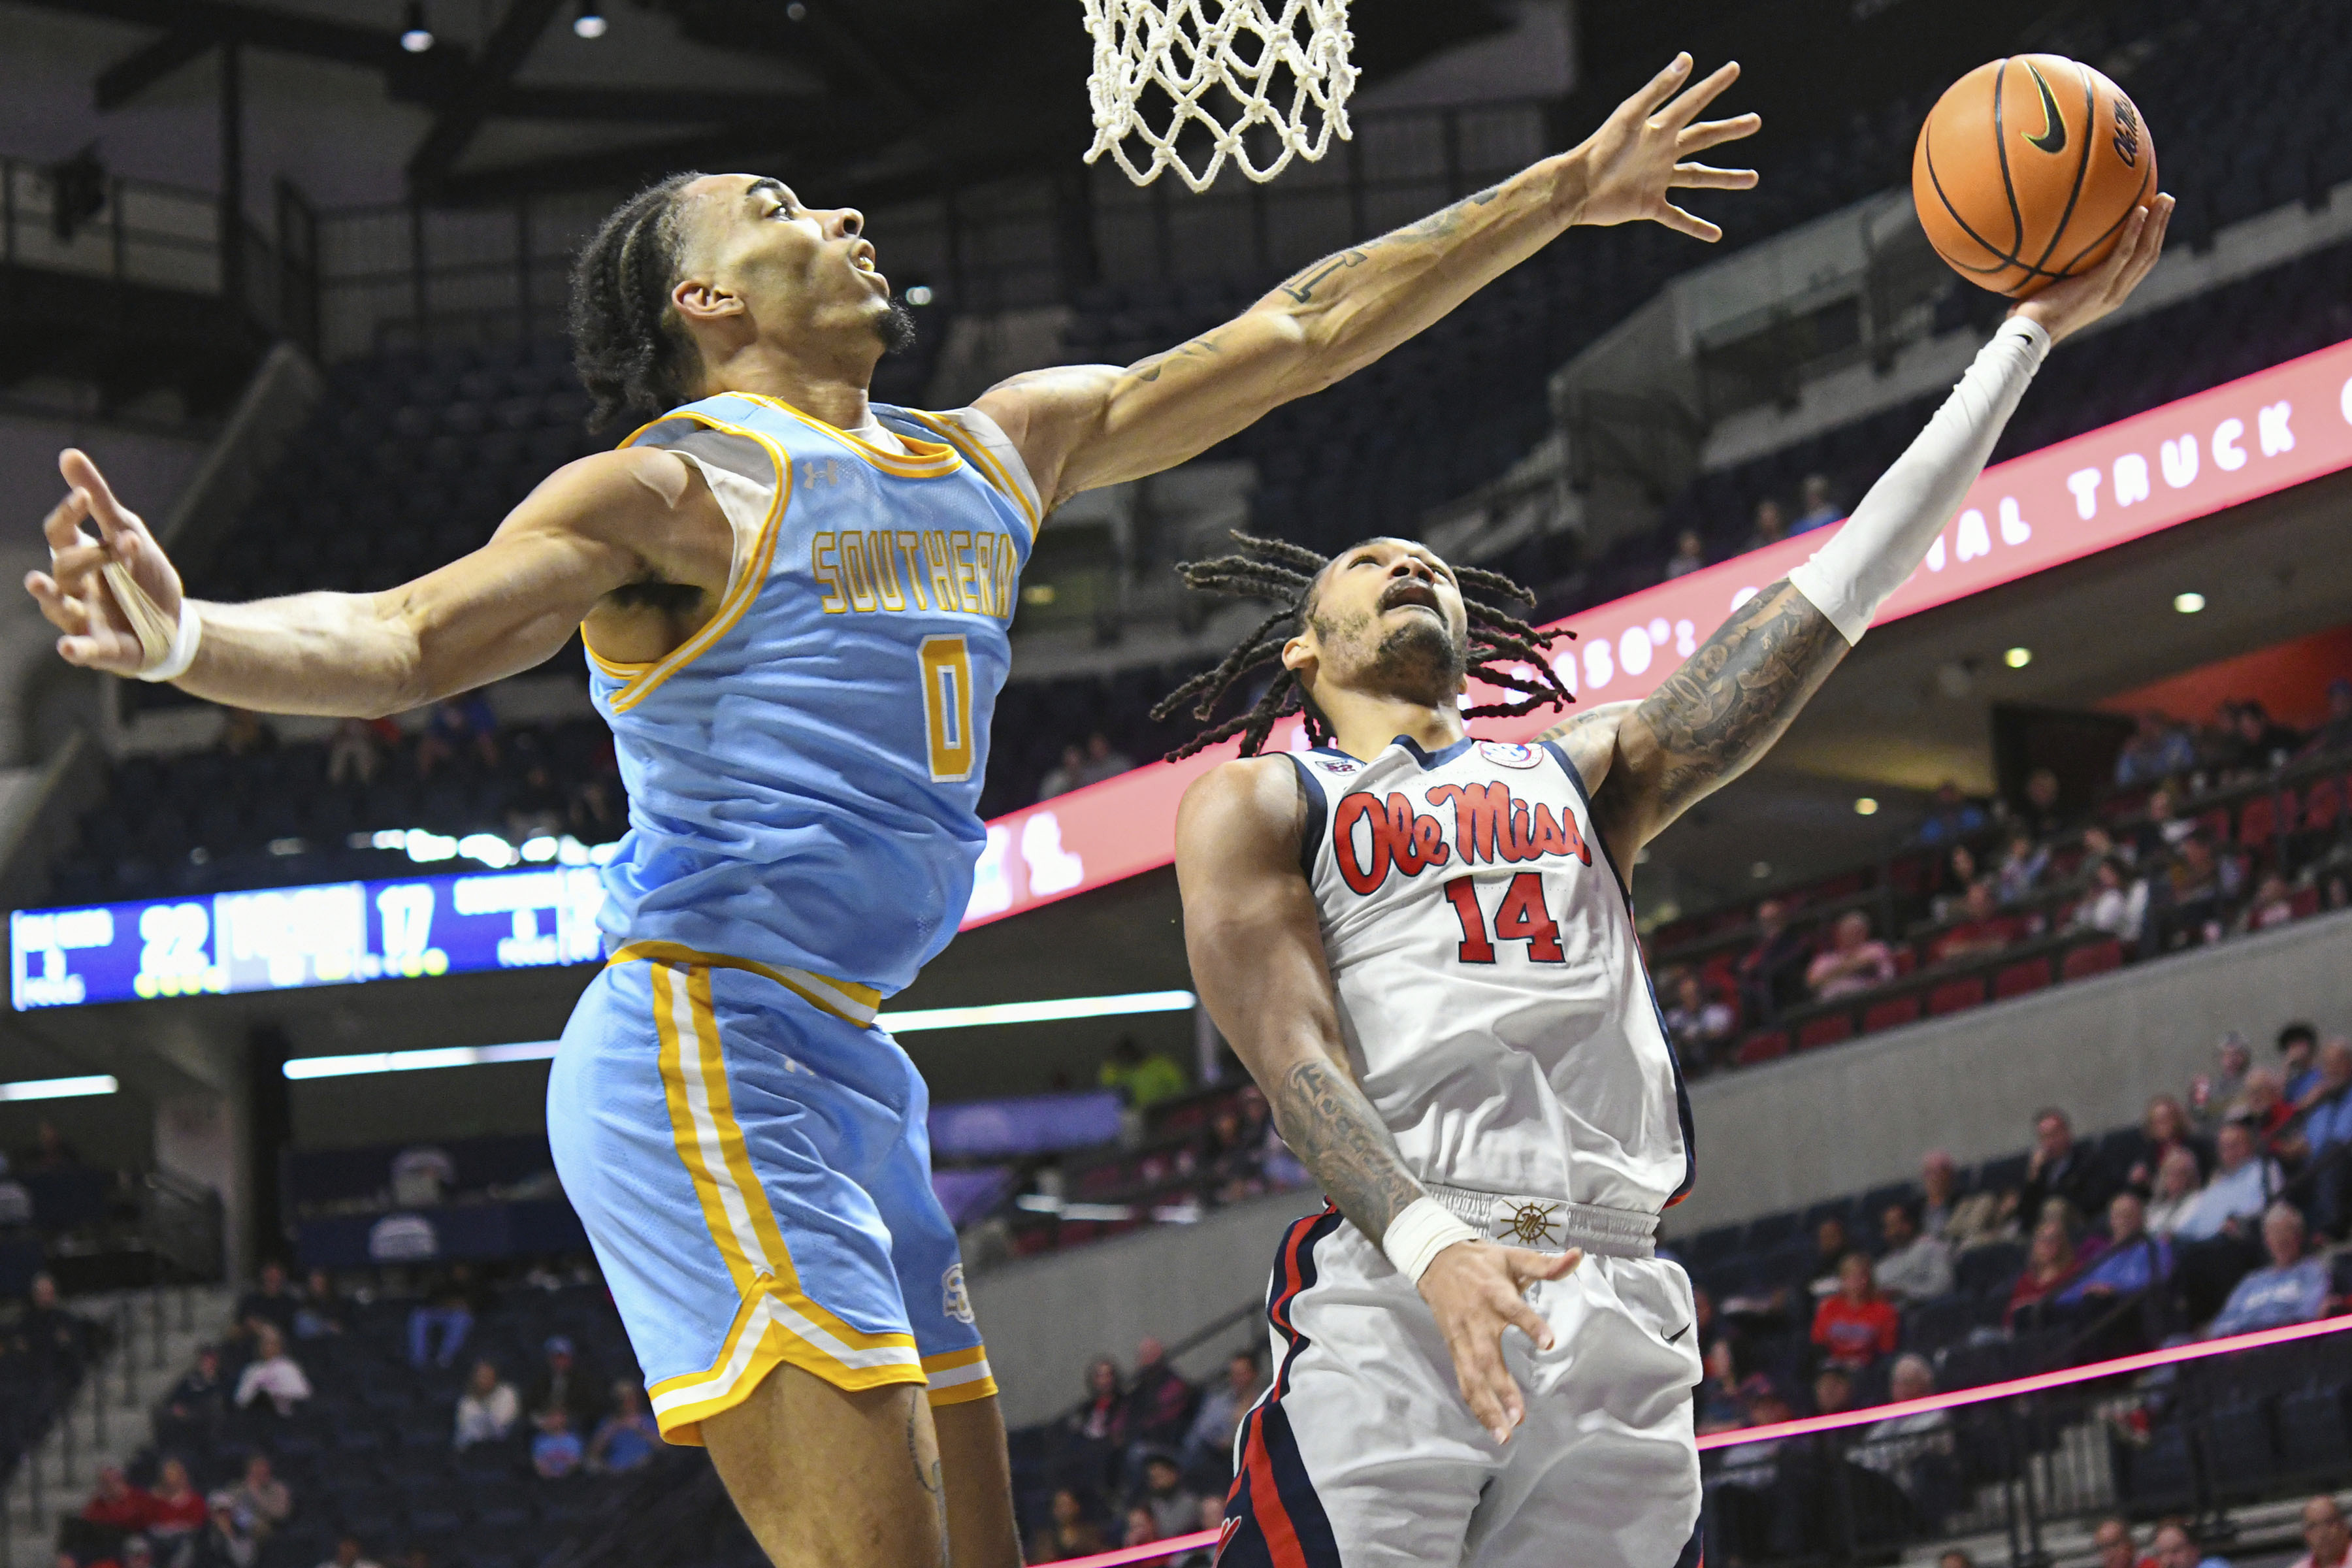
{"points": [[1690, 554], [556, 1452], [270, 1301], [1916, 1266], [225, 1542], [1234, 1160], [1771, 974], [1160, 1401], [1857, 1325], [1983, 929], [1102, 1416], [1770, 525], [117, 1508], [1817, 1278], [2213, 1097], [2163, 1127], [1832, 1391], [2326, 1538], [2271, 905], [348, 1554], [1064, 775], [1724, 1397], [51, 1151], [2161, 832], [2116, 902], [458, 726], [2061, 1168], [2262, 741], [2325, 1135], [271, 1374], [266, 1501], [2298, 1050], [1104, 761], [357, 750], [562, 1383], [2159, 748], [2176, 1193], [1213, 1517], [2193, 896], [2242, 1186], [447, 1316], [322, 1311], [1069, 1532], [487, 1410], [1913, 1451], [2049, 1265], [2130, 1262], [2173, 1546], [1960, 874], [192, 1412], [2294, 1287], [15, 1203], [2264, 1105], [1700, 1025], [628, 1437], [245, 733], [1821, 507], [1138, 1528], [1172, 1506], [51, 1334], [1961, 1221], [2113, 1541], [1210, 1442], [177, 1509], [1939, 1181], [1952, 816], [1852, 963], [2040, 814], [2334, 733], [1141, 1080], [2020, 873]]}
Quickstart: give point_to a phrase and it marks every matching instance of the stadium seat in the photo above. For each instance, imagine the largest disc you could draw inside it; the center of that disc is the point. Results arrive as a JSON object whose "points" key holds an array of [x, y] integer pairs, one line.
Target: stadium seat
{"points": [[1956, 995], [2017, 979], [2093, 958], [1827, 1030], [1891, 1013], [1762, 1047]]}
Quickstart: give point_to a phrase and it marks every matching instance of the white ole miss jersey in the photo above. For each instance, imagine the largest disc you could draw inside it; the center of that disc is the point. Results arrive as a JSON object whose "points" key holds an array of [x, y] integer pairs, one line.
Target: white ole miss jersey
{"points": [[1491, 990]]}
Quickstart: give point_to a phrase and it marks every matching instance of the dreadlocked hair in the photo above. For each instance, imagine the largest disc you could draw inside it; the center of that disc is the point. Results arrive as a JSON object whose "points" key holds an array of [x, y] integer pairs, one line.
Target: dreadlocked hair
{"points": [[627, 347], [1504, 650]]}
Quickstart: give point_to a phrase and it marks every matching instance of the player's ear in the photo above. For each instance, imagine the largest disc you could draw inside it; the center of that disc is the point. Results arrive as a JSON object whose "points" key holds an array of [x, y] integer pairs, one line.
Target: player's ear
{"points": [[699, 300], [1299, 655]]}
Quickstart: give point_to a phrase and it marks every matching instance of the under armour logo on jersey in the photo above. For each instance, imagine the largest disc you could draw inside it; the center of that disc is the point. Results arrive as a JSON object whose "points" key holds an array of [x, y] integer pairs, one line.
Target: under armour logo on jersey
{"points": [[819, 471]]}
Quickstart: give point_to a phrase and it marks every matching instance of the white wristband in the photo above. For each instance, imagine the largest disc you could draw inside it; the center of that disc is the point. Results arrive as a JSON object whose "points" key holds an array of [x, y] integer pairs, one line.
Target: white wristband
{"points": [[1422, 1230], [183, 651]]}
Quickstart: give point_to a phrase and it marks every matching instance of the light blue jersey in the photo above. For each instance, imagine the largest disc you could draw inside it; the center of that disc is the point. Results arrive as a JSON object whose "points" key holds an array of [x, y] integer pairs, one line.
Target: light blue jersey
{"points": [[748, 1150], [803, 771]]}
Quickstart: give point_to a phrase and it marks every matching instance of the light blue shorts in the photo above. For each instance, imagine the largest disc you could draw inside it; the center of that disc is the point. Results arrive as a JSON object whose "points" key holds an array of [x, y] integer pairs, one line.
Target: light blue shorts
{"points": [[754, 1173]]}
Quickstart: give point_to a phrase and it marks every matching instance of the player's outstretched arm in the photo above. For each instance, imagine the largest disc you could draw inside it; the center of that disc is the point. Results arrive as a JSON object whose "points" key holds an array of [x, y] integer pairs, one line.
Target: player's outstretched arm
{"points": [[1087, 426], [590, 527], [1256, 951], [1730, 701]]}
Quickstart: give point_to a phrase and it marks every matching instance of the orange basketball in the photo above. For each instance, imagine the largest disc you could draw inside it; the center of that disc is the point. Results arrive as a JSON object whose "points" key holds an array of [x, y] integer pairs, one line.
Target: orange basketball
{"points": [[2028, 169]]}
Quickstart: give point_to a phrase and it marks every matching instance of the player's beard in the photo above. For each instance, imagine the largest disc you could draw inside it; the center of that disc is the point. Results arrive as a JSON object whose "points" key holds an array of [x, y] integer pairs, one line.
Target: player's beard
{"points": [[1419, 661], [895, 328]]}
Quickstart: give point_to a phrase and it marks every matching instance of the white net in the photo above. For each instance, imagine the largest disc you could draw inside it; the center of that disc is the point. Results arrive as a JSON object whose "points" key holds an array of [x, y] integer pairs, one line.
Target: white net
{"points": [[1234, 58]]}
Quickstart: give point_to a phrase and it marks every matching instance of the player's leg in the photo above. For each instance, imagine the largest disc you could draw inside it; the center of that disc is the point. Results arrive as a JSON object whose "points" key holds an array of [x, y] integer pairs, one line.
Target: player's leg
{"points": [[961, 1392], [1362, 1452], [1604, 1471], [833, 1477]]}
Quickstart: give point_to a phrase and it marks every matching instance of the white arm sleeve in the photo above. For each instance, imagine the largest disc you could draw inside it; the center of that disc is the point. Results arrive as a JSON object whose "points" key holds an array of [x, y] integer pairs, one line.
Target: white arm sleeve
{"points": [[1887, 537]]}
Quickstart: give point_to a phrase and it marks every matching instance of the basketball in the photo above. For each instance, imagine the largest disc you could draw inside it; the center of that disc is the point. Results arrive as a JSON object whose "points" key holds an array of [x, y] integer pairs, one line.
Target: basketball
{"points": [[2026, 171]]}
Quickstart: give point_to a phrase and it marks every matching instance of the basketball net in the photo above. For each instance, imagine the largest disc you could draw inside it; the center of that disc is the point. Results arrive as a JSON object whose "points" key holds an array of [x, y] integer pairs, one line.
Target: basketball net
{"points": [[1189, 48]]}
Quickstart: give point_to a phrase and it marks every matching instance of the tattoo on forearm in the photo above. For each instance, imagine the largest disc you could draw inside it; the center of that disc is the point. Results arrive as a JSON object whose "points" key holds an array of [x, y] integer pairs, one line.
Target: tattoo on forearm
{"points": [[1336, 1134], [1733, 698], [1439, 225]]}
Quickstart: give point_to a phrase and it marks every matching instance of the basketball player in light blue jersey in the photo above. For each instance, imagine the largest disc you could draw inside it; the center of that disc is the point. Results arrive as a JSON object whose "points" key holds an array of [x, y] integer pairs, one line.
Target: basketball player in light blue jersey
{"points": [[796, 604]]}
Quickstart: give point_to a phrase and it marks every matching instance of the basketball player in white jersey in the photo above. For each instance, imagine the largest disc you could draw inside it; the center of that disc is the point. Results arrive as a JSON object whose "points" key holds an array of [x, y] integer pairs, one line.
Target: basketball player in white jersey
{"points": [[725, 300], [1422, 947]]}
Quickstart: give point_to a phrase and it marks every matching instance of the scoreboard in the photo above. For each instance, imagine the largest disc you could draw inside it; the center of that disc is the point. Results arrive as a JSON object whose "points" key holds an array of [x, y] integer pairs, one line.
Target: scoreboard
{"points": [[277, 939]]}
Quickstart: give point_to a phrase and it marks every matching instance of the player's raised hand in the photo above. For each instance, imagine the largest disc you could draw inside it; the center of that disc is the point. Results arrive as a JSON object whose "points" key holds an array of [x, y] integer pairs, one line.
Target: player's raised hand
{"points": [[2073, 303], [73, 593], [1641, 151], [1477, 1290]]}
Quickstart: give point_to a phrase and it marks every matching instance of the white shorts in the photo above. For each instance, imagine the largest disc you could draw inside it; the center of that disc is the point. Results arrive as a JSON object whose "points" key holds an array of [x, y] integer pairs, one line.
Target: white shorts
{"points": [[1363, 1453]]}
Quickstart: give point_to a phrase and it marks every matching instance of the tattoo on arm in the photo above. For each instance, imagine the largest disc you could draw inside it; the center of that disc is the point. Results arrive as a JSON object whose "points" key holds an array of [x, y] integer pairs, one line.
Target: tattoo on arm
{"points": [[1336, 1134], [1439, 225], [1733, 698]]}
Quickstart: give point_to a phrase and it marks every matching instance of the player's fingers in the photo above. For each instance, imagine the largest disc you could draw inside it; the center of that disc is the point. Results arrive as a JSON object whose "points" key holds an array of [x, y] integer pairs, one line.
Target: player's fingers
{"points": [[1705, 177], [1681, 222], [57, 608], [1715, 132], [78, 560], [1685, 110], [62, 527], [1527, 1319], [1473, 1377], [113, 518], [1662, 87]]}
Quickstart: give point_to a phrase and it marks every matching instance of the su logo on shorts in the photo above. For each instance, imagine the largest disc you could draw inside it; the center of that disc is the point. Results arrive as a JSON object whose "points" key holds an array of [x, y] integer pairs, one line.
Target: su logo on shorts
{"points": [[955, 1302]]}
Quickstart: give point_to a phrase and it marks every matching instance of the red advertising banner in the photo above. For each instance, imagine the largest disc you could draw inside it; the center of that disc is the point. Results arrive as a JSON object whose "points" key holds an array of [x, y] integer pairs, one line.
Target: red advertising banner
{"points": [[2155, 470]]}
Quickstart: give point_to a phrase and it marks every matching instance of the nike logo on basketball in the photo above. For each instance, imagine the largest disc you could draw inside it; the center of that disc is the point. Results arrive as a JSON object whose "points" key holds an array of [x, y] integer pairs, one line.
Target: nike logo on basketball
{"points": [[2054, 124]]}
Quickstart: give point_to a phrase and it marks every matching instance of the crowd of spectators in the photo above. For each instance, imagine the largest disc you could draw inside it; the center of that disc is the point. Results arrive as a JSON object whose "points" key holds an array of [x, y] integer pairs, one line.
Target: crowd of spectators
{"points": [[207, 1492], [1145, 1456], [2209, 831]]}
